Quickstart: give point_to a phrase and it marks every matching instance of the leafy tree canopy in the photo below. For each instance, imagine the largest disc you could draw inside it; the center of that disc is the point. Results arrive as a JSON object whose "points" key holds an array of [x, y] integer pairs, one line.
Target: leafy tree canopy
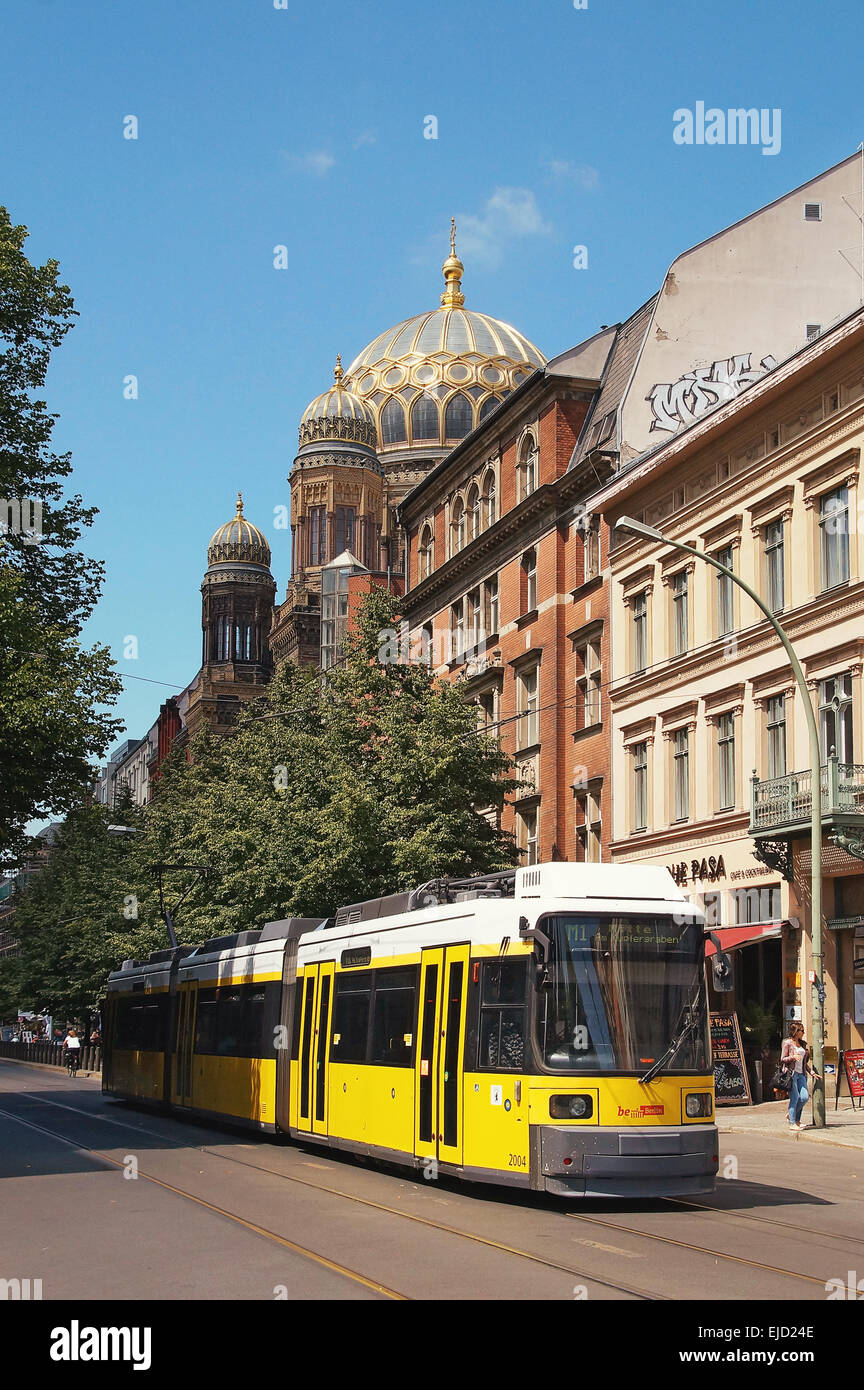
{"points": [[331, 789], [54, 694]]}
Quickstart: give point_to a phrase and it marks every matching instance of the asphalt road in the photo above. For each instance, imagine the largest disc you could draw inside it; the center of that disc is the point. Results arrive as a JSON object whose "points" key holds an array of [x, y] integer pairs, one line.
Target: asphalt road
{"points": [[217, 1214]]}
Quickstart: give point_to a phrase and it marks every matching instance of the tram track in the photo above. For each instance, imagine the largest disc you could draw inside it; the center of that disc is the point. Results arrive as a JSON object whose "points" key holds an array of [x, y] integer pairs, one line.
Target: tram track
{"points": [[319, 1258], [763, 1221], [579, 1216], [610, 1225]]}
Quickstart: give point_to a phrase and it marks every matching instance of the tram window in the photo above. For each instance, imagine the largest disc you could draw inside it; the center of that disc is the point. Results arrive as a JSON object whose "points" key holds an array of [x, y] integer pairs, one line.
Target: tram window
{"points": [[205, 1022], [237, 1021], [393, 1016], [151, 1018], [127, 1024], [502, 1015], [230, 1012], [351, 1017]]}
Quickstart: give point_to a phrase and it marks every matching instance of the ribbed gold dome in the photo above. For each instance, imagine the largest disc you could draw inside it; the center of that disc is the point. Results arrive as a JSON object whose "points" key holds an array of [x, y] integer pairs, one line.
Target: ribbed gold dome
{"points": [[238, 542], [431, 380], [338, 414]]}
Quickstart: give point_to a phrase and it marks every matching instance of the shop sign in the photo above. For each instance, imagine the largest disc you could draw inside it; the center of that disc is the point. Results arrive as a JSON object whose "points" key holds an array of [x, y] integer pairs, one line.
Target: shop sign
{"points": [[710, 870]]}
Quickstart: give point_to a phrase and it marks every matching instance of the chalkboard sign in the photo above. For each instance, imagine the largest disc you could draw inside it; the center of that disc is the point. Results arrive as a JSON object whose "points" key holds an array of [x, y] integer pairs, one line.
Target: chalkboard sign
{"points": [[731, 1083]]}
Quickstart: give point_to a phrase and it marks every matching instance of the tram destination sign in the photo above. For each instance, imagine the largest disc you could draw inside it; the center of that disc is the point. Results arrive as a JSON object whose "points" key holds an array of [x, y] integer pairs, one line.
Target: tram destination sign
{"points": [[731, 1083]]}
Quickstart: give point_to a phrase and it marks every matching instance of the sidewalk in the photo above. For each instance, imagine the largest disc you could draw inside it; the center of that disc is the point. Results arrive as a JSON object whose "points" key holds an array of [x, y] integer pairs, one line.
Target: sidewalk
{"points": [[844, 1126]]}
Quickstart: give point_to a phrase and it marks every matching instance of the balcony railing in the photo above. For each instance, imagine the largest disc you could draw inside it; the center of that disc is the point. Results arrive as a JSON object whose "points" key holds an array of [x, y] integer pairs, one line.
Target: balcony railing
{"points": [[784, 802]]}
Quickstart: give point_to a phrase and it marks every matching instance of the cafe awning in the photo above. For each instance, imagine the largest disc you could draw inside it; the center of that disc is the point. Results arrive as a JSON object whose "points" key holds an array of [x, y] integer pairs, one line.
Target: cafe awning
{"points": [[731, 938]]}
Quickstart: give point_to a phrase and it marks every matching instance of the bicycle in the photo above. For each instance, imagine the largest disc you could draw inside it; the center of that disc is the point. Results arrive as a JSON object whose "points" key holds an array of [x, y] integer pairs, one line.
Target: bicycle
{"points": [[73, 1060]]}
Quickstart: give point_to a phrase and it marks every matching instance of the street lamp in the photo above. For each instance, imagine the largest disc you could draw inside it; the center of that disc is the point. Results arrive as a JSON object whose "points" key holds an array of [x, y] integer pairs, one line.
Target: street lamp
{"points": [[627, 523]]}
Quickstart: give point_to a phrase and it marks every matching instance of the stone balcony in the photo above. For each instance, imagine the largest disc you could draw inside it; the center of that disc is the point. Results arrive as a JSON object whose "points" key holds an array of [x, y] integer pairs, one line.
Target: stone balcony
{"points": [[780, 810]]}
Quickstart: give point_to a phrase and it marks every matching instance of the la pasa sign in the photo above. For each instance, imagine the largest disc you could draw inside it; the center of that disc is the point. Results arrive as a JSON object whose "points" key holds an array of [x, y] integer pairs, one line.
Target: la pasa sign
{"points": [[710, 869]]}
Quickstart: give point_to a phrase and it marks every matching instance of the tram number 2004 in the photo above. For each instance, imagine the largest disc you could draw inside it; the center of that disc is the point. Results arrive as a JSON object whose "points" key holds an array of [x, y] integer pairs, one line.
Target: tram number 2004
{"points": [[518, 1161]]}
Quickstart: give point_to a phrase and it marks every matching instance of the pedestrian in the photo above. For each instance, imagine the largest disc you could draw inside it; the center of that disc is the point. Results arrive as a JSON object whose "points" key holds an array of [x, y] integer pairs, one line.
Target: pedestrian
{"points": [[797, 1054], [94, 1038]]}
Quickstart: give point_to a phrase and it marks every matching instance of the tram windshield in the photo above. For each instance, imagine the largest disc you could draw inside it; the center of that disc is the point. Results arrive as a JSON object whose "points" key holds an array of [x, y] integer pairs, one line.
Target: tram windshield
{"points": [[619, 990]]}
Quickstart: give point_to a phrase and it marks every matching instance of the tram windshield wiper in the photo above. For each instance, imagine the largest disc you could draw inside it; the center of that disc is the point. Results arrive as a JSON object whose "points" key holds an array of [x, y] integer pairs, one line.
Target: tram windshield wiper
{"points": [[692, 1013]]}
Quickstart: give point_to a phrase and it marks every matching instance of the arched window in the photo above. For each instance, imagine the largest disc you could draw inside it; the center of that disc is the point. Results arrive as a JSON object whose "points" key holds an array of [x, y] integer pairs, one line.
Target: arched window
{"points": [[425, 422], [393, 427], [457, 526], [488, 406], [458, 417], [527, 467], [474, 511], [489, 500], [425, 552]]}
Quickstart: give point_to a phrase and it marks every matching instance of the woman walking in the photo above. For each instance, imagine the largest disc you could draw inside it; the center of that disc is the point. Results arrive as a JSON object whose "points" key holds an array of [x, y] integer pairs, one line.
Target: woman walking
{"points": [[796, 1053]]}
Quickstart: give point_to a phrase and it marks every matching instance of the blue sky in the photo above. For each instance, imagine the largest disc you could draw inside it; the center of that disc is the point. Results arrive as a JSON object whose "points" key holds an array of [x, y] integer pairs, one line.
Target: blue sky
{"points": [[303, 127]]}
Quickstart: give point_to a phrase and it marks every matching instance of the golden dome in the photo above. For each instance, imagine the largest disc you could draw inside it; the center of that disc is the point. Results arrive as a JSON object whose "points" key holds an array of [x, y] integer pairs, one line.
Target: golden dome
{"points": [[431, 379], [238, 542], [338, 414]]}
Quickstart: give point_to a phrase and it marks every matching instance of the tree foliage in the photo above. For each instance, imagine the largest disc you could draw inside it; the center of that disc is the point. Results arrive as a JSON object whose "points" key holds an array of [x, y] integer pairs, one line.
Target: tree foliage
{"points": [[330, 790], [54, 693]]}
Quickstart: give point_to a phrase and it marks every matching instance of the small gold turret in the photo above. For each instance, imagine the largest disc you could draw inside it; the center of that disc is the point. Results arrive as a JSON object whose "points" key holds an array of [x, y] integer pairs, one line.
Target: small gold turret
{"points": [[337, 370], [453, 269]]}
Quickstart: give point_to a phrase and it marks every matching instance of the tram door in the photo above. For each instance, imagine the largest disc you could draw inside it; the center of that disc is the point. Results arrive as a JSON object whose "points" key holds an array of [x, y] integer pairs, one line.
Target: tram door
{"points": [[438, 1105], [184, 1041], [314, 1049]]}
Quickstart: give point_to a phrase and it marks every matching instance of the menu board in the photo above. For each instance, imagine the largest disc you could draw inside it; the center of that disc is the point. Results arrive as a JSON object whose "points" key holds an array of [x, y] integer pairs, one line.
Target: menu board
{"points": [[731, 1084], [853, 1065]]}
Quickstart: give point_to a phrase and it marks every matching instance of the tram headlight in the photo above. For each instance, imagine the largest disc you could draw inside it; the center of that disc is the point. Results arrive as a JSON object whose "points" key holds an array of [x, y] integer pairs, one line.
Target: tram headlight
{"points": [[571, 1107], [698, 1105]]}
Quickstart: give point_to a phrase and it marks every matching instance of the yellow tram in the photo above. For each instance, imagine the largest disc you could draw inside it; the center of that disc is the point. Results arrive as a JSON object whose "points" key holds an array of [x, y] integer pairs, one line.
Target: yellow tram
{"points": [[546, 1028]]}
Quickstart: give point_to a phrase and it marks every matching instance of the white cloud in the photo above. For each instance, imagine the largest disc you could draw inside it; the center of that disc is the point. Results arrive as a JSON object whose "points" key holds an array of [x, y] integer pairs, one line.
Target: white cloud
{"points": [[366, 137], [484, 238], [317, 162], [565, 171]]}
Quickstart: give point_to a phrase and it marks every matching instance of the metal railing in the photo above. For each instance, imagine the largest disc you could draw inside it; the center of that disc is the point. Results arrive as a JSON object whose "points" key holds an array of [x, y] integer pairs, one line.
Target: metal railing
{"points": [[49, 1054], [785, 801]]}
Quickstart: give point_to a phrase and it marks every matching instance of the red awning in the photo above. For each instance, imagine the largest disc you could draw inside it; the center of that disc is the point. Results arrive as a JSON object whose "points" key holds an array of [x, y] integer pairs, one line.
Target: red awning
{"points": [[732, 937]]}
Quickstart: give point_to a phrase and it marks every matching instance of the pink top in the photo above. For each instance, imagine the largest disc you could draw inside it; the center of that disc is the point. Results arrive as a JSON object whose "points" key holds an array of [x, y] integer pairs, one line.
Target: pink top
{"points": [[793, 1052]]}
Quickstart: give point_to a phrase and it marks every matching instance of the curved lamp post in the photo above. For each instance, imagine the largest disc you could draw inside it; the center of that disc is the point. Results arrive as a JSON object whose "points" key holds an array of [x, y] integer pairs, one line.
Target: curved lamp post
{"points": [[626, 523]]}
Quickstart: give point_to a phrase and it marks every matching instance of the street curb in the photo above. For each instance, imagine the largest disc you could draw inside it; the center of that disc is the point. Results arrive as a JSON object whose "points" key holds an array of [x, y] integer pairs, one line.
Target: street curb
{"points": [[49, 1066], [780, 1134]]}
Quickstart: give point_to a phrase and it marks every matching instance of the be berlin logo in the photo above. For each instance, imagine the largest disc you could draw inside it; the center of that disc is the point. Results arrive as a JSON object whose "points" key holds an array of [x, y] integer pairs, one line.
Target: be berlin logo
{"points": [[737, 126]]}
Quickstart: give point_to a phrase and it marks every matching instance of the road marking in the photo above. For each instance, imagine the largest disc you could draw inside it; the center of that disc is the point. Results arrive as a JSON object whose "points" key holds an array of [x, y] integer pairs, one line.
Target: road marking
{"points": [[700, 1249]]}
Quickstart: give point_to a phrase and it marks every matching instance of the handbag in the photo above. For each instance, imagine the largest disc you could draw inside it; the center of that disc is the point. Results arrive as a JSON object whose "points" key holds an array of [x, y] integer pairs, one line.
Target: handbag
{"points": [[782, 1078]]}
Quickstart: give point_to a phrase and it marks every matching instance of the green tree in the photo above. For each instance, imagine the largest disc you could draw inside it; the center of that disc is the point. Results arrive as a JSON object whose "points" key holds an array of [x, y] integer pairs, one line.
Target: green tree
{"points": [[333, 789], [54, 694]]}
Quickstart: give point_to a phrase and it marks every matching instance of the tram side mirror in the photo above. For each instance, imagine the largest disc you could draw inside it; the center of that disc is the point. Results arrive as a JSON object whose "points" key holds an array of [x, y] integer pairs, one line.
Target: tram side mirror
{"points": [[721, 973], [542, 949]]}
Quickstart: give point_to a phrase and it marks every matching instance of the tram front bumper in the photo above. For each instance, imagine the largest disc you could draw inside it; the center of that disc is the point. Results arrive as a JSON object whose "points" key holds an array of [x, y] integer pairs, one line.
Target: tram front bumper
{"points": [[649, 1162]]}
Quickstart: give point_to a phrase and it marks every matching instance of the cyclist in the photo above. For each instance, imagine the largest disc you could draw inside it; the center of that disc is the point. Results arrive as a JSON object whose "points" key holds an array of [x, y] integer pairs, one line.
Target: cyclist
{"points": [[72, 1051]]}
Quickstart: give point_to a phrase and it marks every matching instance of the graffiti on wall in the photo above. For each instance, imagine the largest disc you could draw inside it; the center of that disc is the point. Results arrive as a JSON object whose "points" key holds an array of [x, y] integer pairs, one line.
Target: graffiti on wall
{"points": [[681, 402]]}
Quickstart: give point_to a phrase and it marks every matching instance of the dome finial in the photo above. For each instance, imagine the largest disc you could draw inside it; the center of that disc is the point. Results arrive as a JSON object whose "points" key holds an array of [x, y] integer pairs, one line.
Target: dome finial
{"points": [[338, 373], [453, 269], [239, 503]]}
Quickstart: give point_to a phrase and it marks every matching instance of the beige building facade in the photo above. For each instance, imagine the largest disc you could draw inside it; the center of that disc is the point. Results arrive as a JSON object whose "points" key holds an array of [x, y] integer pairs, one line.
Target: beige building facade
{"points": [[710, 752]]}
